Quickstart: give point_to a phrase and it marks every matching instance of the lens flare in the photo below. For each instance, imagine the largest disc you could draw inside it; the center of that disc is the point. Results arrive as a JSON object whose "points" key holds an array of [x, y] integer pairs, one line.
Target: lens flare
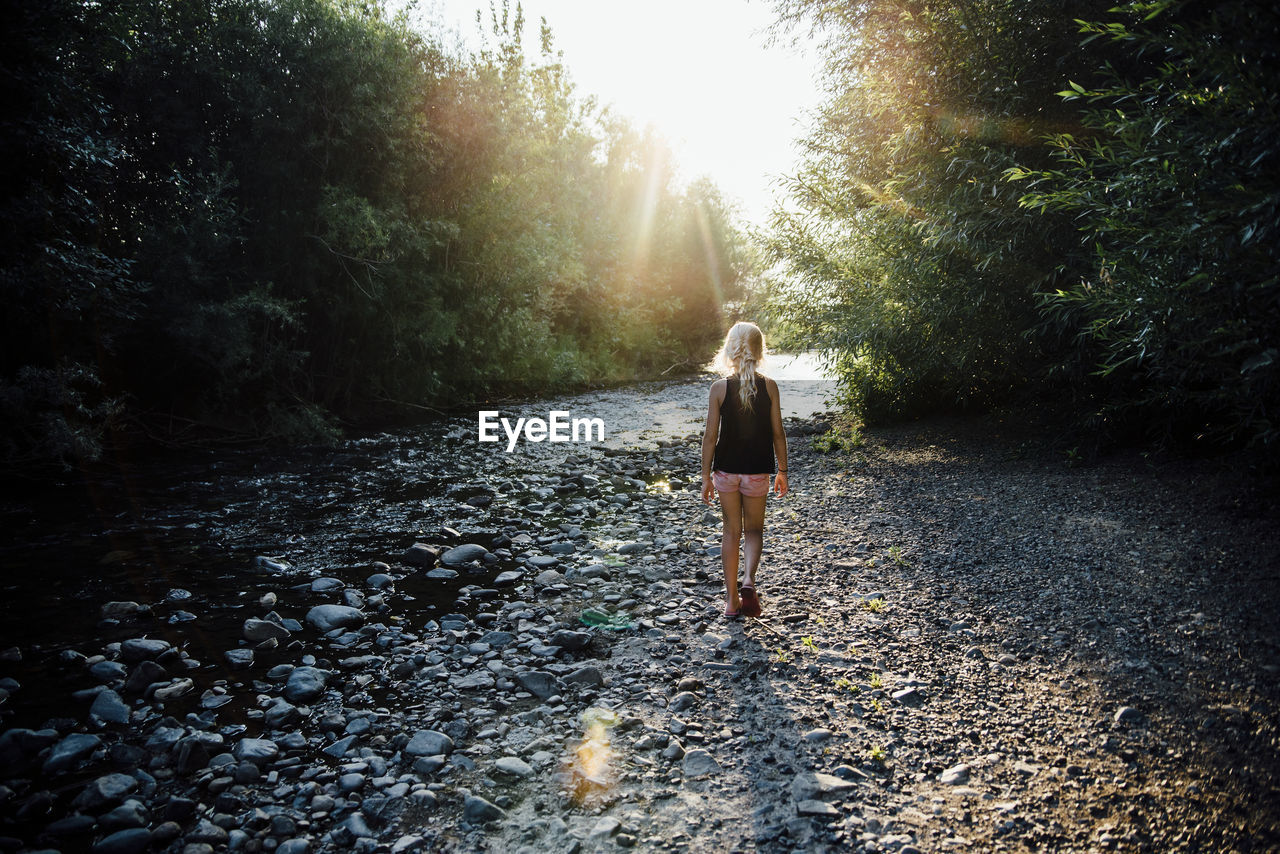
{"points": [[593, 769]]}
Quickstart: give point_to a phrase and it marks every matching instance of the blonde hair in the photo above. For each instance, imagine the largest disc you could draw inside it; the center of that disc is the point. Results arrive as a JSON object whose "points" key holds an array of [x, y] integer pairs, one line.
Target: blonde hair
{"points": [[742, 353]]}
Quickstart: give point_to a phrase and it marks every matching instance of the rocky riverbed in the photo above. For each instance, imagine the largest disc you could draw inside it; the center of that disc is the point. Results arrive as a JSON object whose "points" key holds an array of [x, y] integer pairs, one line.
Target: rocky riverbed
{"points": [[967, 645]]}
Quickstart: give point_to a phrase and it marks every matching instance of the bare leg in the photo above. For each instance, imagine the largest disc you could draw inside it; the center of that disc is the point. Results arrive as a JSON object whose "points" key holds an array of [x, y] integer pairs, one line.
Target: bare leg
{"points": [[752, 535], [731, 512]]}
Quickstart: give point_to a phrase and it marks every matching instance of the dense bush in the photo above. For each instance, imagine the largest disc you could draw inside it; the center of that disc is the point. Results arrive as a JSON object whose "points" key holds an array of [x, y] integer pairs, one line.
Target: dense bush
{"points": [[1175, 187], [263, 216], [935, 235]]}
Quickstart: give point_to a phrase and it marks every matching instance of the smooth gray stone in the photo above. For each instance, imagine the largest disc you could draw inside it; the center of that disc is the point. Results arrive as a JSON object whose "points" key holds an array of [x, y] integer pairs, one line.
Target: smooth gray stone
{"points": [[587, 675], [595, 570], [513, 766], [259, 630], [510, 576], [682, 701], [132, 841], [812, 786], [356, 826], [256, 750], [70, 827], [569, 639], [207, 831], [497, 639], [548, 578], [537, 682], [340, 747], [107, 671], [281, 713], [1127, 714], [69, 751], [304, 684], [698, 762], [325, 585], [379, 581], [109, 708], [103, 792], [477, 810], [129, 814], [294, 846], [442, 572], [420, 554], [429, 743], [956, 775], [239, 658], [817, 809], [326, 618], [464, 553], [142, 649]]}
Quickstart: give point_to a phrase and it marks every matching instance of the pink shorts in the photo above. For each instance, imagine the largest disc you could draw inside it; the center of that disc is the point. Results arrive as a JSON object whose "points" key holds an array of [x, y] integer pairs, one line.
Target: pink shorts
{"points": [[750, 485]]}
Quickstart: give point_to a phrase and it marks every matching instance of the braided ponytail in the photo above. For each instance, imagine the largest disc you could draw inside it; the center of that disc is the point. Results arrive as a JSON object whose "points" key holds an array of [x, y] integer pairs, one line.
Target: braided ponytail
{"points": [[741, 354]]}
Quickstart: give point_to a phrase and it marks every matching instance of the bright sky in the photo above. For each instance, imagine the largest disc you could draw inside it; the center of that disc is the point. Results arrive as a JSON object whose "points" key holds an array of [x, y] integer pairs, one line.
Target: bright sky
{"points": [[700, 71]]}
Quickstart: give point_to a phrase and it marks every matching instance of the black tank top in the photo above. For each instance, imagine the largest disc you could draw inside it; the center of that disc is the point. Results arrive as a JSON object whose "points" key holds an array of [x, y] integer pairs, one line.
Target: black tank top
{"points": [[745, 445]]}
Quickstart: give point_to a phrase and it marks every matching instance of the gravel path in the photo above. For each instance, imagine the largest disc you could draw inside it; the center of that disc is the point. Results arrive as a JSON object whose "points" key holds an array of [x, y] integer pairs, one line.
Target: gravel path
{"points": [[967, 645]]}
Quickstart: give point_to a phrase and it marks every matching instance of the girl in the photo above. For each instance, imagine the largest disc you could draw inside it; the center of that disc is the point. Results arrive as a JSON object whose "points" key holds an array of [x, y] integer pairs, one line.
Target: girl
{"points": [[743, 437]]}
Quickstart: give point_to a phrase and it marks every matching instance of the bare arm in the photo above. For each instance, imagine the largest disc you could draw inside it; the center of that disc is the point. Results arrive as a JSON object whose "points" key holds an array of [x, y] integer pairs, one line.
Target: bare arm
{"points": [[780, 484], [709, 437]]}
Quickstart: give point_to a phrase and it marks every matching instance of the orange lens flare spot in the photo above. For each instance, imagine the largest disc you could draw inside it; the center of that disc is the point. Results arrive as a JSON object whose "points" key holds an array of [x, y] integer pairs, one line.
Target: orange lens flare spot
{"points": [[594, 774]]}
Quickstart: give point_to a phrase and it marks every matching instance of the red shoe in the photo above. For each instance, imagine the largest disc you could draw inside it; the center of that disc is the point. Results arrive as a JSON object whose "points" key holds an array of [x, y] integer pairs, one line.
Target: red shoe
{"points": [[750, 601]]}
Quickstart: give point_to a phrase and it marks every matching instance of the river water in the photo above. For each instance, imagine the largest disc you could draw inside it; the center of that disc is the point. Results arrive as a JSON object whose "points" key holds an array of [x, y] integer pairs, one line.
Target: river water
{"points": [[199, 539]]}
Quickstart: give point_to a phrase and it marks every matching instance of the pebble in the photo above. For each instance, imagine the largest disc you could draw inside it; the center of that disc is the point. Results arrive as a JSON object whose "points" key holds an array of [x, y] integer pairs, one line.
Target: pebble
{"points": [[465, 553], [698, 762], [304, 684], [477, 810], [326, 618], [513, 766], [429, 743], [817, 809], [956, 775], [108, 708]]}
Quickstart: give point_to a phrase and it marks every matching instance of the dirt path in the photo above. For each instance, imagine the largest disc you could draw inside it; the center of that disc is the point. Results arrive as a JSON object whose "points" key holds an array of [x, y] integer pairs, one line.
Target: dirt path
{"points": [[984, 649]]}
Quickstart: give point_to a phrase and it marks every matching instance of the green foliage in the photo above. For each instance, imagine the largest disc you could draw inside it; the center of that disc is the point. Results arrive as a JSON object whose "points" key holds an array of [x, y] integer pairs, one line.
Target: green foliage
{"points": [[844, 436], [266, 216], [905, 250], [993, 206], [1173, 186]]}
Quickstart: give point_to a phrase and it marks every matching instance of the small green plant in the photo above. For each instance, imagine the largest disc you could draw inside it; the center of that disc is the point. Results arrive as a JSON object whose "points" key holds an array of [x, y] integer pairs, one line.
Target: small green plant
{"points": [[807, 643], [844, 437], [1073, 457], [782, 656], [876, 707], [876, 681], [846, 685], [896, 555], [877, 753], [875, 606]]}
